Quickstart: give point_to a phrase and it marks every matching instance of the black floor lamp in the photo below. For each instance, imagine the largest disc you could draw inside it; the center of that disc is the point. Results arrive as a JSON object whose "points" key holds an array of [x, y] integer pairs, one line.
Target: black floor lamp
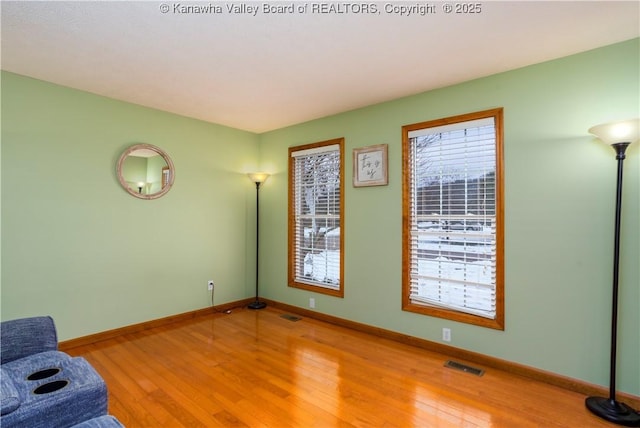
{"points": [[258, 178], [620, 135]]}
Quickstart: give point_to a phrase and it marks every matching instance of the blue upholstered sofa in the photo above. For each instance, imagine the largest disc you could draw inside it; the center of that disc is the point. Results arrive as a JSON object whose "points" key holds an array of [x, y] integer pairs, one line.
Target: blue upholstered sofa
{"points": [[43, 387]]}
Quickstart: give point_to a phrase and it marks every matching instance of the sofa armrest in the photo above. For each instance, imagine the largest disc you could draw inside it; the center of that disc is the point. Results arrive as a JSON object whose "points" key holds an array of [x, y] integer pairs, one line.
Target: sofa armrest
{"points": [[9, 396], [27, 336]]}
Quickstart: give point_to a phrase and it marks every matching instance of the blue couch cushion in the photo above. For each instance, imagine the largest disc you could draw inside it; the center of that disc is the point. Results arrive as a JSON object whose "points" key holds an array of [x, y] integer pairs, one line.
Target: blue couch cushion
{"points": [[9, 397], [27, 336], [106, 421]]}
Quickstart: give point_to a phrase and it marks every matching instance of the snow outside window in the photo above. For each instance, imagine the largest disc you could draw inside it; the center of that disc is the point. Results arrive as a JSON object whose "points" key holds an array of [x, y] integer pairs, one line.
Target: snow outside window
{"points": [[453, 224], [315, 217]]}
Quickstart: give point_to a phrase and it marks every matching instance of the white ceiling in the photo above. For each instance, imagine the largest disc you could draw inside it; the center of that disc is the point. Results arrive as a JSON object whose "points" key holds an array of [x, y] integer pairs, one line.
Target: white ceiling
{"points": [[268, 71]]}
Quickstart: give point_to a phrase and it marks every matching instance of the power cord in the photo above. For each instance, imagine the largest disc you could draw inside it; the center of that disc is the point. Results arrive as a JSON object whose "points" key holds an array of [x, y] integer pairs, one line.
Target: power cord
{"points": [[220, 311]]}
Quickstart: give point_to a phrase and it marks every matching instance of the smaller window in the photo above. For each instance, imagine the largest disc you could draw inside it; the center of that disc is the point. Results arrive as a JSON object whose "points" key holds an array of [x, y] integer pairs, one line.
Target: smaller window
{"points": [[316, 227]]}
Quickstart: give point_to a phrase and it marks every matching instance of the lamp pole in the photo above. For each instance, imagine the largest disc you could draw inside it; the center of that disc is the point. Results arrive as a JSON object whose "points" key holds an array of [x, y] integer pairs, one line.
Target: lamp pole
{"points": [[609, 408], [257, 178]]}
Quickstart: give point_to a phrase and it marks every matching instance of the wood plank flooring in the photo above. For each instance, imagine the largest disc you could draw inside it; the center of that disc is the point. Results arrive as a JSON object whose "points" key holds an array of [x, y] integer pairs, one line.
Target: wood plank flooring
{"points": [[258, 369]]}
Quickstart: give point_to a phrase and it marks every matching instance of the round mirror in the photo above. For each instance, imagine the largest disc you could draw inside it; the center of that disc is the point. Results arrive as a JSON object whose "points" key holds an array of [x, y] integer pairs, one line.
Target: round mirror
{"points": [[145, 171]]}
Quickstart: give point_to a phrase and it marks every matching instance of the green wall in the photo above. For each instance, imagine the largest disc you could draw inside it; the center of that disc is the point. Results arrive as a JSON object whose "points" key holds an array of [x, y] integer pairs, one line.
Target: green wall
{"points": [[559, 194], [77, 246]]}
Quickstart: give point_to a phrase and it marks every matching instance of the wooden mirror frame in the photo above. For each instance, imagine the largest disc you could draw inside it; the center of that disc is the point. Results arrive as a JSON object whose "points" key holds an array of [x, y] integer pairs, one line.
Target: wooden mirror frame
{"points": [[166, 180]]}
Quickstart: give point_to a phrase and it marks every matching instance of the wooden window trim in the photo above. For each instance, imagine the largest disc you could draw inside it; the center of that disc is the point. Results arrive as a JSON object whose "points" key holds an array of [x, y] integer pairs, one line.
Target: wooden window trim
{"points": [[291, 221], [407, 305]]}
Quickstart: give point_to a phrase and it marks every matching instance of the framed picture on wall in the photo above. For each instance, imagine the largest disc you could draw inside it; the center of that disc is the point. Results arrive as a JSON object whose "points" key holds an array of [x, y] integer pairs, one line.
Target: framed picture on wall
{"points": [[370, 166]]}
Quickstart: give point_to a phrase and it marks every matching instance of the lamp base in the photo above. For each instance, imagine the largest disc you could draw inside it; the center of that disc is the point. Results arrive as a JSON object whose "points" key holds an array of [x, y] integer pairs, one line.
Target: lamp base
{"points": [[613, 411], [257, 305]]}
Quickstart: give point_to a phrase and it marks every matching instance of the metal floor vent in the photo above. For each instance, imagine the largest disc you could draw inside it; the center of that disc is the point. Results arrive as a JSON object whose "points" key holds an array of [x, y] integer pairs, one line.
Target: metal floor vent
{"points": [[463, 367], [290, 317]]}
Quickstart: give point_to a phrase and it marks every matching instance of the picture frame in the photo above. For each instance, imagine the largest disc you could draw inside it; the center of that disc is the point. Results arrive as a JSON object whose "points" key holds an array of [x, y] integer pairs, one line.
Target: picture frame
{"points": [[370, 166]]}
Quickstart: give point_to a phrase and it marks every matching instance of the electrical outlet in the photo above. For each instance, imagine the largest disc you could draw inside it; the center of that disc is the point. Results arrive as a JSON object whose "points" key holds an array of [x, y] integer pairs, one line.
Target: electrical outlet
{"points": [[210, 285], [446, 334], [312, 302]]}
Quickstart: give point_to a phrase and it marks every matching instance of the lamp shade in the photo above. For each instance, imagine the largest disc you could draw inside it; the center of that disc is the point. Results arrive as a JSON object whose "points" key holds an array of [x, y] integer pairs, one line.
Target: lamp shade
{"points": [[624, 131], [258, 177]]}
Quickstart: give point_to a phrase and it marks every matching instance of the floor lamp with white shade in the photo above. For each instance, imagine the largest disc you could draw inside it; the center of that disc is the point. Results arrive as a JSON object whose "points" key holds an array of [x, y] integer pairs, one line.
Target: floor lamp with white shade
{"points": [[258, 178], [620, 135]]}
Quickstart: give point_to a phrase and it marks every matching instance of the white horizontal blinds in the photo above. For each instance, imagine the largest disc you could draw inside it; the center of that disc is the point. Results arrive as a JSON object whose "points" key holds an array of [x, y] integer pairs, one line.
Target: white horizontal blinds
{"points": [[453, 217], [317, 216]]}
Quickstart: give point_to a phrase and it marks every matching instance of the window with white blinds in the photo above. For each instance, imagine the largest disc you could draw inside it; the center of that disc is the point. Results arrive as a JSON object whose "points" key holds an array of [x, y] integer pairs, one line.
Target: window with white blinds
{"points": [[315, 216], [452, 234]]}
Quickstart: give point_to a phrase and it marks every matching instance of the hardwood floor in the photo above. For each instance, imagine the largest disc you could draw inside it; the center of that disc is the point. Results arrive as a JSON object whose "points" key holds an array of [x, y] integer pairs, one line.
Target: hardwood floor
{"points": [[258, 369]]}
